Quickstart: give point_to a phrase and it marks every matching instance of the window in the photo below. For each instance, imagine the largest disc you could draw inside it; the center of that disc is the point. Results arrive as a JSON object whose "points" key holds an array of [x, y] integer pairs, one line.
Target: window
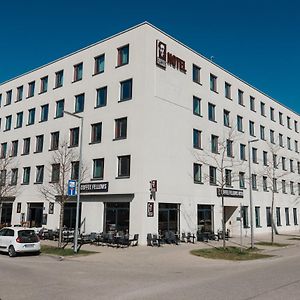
{"points": [[74, 137], [292, 166], [283, 163], [19, 93], [3, 150], [124, 166], [99, 64], [19, 122], [240, 123], [3, 176], [31, 87], [101, 96], [14, 148], [283, 186], [268, 215], [26, 146], [213, 83], [245, 216], [54, 140], [96, 133], [242, 180], [55, 172], [252, 103], [59, 79], [227, 90], [228, 177], [241, 97], [60, 107], [265, 184], [254, 181], [123, 55], [242, 152], [211, 112], [262, 133], [251, 128], [196, 74], [197, 173], [126, 90], [14, 176], [229, 148], [39, 178], [298, 167], [292, 191], [272, 136], [39, 143], [257, 216], [214, 144], [8, 120], [263, 109], [288, 140], [274, 187], [0, 99], [26, 175], [79, 103], [296, 126], [280, 137], [78, 71], [295, 215], [31, 116], [226, 118], [288, 122], [278, 218], [298, 189], [44, 113], [265, 158], [254, 155], [196, 106], [44, 84], [272, 117], [196, 138], [212, 175], [98, 168], [74, 170], [8, 97], [296, 147], [280, 115], [121, 128]]}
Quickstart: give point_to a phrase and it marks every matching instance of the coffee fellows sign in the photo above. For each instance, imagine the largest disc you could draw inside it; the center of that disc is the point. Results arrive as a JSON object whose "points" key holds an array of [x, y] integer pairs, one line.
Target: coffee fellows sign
{"points": [[94, 187], [230, 193], [164, 58]]}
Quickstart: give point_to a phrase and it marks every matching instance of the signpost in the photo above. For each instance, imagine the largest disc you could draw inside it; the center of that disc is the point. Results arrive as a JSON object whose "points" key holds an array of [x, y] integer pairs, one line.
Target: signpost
{"points": [[72, 191]]}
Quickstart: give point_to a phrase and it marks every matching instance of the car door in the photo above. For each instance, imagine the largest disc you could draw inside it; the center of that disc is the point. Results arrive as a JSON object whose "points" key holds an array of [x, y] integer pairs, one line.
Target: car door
{"points": [[2, 233], [8, 238]]}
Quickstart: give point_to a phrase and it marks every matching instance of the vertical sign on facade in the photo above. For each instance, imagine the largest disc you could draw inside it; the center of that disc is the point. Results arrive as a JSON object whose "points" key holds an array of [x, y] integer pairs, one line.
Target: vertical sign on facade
{"points": [[72, 188], [153, 189], [150, 209], [161, 54]]}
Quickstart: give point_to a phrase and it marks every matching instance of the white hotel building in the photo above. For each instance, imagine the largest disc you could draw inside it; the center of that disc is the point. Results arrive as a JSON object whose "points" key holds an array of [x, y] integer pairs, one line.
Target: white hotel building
{"points": [[152, 109]]}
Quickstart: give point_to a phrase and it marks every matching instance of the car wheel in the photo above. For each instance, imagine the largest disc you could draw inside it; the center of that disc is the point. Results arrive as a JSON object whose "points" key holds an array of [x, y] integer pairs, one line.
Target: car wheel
{"points": [[37, 253], [12, 251]]}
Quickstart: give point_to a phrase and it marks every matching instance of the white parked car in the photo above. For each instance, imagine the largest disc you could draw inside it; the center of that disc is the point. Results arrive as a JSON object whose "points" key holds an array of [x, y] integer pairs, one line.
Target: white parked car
{"points": [[18, 239]]}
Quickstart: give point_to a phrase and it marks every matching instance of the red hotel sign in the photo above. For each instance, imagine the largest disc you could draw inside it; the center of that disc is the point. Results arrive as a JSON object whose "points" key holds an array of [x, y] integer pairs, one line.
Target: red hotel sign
{"points": [[163, 58]]}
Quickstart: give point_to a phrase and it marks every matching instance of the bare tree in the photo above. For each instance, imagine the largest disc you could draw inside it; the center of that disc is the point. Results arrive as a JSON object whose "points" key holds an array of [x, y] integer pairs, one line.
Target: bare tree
{"points": [[60, 168], [221, 161]]}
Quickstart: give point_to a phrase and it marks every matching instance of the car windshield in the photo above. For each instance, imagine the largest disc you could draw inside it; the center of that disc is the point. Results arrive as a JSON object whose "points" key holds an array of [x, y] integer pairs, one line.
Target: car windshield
{"points": [[26, 233]]}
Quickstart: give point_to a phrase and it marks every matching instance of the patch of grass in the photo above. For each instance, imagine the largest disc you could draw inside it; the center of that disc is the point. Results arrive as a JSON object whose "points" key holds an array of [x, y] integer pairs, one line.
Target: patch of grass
{"points": [[229, 253], [45, 249], [272, 244]]}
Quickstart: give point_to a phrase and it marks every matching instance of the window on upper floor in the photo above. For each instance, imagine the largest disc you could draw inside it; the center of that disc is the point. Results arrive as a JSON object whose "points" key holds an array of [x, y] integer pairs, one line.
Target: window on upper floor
{"points": [[39, 143], [74, 137], [211, 112], [296, 126], [242, 180], [19, 121], [96, 133], [59, 79], [280, 116], [26, 146], [74, 170], [26, 175], [292, 166], [98, 168], [197, 139], [14, 148], [60, 107], [283, 163], [288, 141], [19, 93], [213, 83], [31, 88], [265, 183], [254, 181], [288, 122], [3, 152], [121, 128], [101, 99], [262, 133], [8, 97], [228, 177], [31, 116], [272, 115], [126, 90], [263, 109], [280, 139], [252, 103], [296, 147], [14, 176], [55, 173], [283, 186], [227, 90], [212, 175], [197, 106], [272, 136], [229, 148], [265, 158], [241, 97], [226, 118], [124, 166], [99, 64], [196, 74], [78, 72], [44, 113], [8, 121], [79, 103], [39, 174], [214, 144], [254, 155], [197, 173], [240, 124], [54, 143], [123, 55], [251, 128], [242, 152], [44, 85]]}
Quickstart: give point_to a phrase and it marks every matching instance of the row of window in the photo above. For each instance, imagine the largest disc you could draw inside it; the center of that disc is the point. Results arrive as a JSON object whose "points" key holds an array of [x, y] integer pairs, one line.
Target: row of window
{"points": [[257, 211], [228, 180], [99, 63], [240, 126], [95, 137], [241, 101], [123, 171], [101, 100]]}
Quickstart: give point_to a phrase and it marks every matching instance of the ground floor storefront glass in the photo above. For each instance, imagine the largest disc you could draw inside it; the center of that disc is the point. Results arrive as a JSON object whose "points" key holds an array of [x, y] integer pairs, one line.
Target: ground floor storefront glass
{"points": [[6, 213], [35, 214], [205, 218], [116, 216], [168, 217], [70, 215]]}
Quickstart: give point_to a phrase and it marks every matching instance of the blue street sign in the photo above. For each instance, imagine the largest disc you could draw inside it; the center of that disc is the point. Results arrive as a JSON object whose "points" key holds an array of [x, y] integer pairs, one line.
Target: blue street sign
{"points": [[72, 191]]}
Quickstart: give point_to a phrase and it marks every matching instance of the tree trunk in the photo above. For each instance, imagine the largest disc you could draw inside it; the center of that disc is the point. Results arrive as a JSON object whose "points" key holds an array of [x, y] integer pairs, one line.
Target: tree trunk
{"points": [[61, 224], [272, 219], [223, 221]]}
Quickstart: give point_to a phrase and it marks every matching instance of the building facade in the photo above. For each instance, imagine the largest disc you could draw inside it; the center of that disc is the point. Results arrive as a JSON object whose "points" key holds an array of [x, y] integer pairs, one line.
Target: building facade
{"points": [[154, 111]]}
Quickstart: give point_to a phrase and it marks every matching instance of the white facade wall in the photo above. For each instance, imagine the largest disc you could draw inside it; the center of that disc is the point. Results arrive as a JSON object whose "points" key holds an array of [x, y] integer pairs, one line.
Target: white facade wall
{"points": [[159, 133]]}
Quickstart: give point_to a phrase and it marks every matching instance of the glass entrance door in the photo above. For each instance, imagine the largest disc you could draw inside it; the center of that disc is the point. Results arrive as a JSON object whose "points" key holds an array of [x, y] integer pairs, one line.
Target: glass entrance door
{"points": [[116, 216], [168, 217], [35, 214], [205, 218], [70, 215], [6, 212]]}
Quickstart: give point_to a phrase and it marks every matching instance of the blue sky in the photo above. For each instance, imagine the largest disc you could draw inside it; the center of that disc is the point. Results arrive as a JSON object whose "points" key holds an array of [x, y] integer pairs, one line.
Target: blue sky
{"points": [[259, 41]]}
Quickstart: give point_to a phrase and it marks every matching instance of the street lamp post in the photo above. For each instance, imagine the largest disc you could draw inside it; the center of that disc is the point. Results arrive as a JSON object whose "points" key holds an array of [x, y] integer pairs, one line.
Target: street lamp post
{"points": [[78, 180], [250, 192]]}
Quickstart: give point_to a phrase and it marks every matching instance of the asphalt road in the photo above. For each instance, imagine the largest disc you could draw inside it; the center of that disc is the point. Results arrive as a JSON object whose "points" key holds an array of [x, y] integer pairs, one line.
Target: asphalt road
{"points": [[165, 273]]}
